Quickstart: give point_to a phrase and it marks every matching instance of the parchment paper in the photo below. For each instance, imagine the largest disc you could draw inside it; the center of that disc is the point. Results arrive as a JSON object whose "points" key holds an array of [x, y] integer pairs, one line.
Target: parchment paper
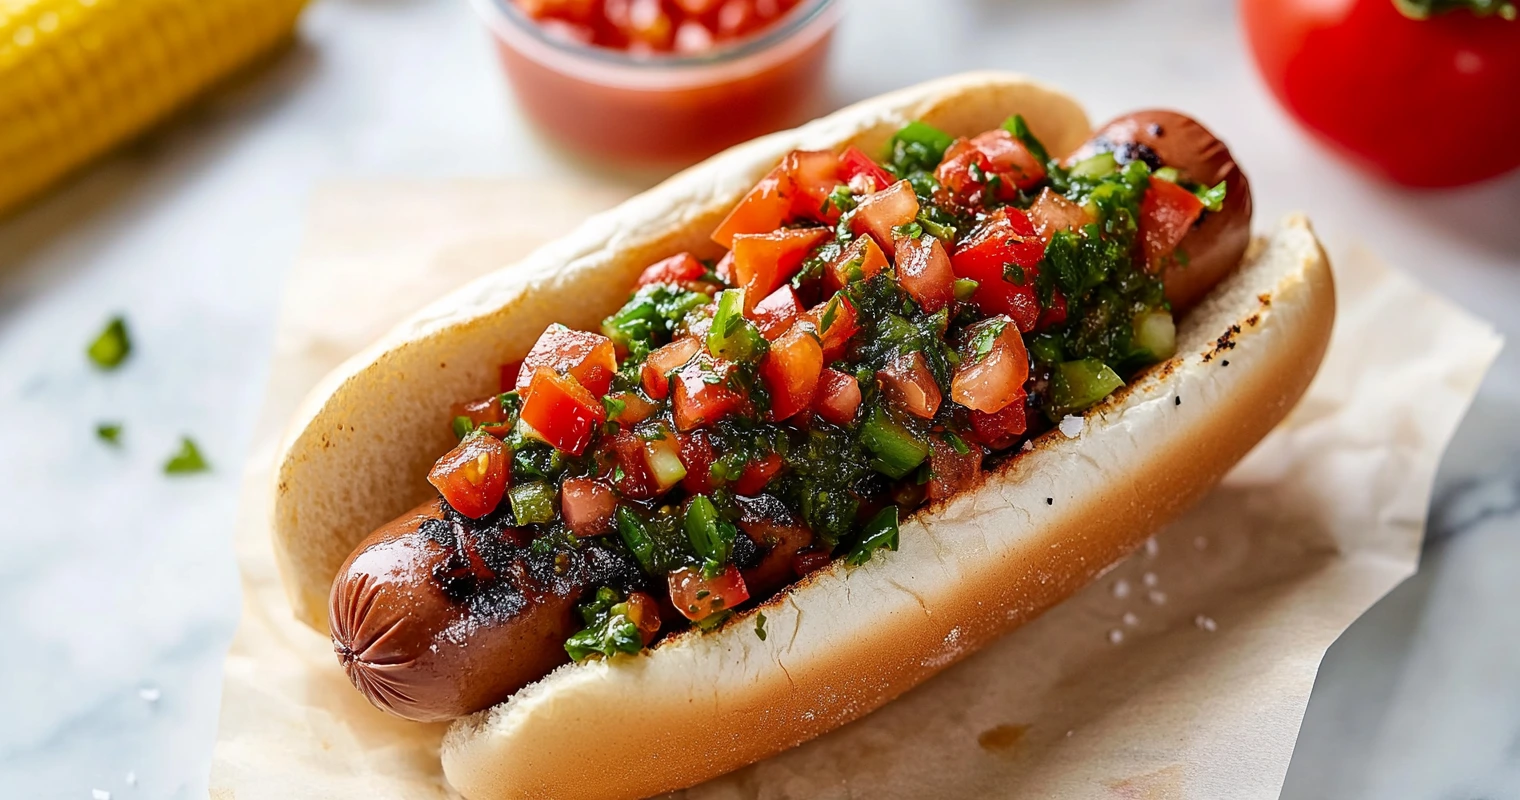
{"points": [[1184, 672]]}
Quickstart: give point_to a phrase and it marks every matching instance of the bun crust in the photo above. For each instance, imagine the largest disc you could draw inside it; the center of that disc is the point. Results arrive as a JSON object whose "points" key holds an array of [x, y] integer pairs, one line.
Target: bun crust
{"points": [[843, 641]]}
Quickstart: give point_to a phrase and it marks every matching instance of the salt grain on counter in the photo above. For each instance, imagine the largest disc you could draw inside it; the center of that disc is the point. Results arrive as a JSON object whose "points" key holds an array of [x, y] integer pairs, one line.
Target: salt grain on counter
{"points": [[1150, 579], [131, 779], [1130, 619], [149, 695], [1072, 426], [1206, 623], [1157, 598], [100, 794], [1115, 636], [1121, 588], [1152, 547]]}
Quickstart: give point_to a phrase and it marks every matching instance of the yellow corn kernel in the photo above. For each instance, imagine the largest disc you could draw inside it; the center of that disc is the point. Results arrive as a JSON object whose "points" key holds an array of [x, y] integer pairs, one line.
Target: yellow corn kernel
{"points": [[80, 76]]}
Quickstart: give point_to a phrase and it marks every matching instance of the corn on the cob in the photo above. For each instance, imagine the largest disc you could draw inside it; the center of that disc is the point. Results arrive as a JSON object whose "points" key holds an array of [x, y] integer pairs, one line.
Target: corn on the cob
{"points": [[79, 76]]}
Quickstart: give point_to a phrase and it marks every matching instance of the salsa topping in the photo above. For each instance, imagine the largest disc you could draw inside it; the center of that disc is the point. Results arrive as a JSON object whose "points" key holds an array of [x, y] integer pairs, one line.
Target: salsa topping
{"points": [[874, 337]]}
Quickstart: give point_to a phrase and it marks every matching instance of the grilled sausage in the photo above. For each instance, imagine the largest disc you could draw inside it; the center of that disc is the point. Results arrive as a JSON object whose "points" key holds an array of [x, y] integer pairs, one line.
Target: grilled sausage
{"points": [[1166, 138], [435, 615]]}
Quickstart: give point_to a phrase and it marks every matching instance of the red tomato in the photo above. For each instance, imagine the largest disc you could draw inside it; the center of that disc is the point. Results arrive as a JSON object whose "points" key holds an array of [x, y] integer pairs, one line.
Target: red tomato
{"points": [[843, 322], [988, 383], [1167, 214], [838, 397], [790, 372], [702, 393], [951, 471], [588, 357], [509, 373], [1053, 315], [924, 272], [698, 597], [635, 481], [862, 260], [635, 409], [908, 384], [588, 506], [698, 455], [677, 269], [473, 476], [1422, 102], [1002, 429], [561, 412], [1007, 237], [1052, 212], [644, 612], [767, 207], [763, 261], [995, 157], [814, 173], [777, 312], [724, 269], [877, 214], [757, 474], [484, 411], [862, 173], [655, 374]]}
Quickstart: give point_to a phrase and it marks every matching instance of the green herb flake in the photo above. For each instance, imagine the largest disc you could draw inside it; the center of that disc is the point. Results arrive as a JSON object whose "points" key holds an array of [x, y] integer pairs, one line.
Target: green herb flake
{"points": [[1213, 197], [112, 346], [463, 426], [880, 532], [1020, 130], [186, 460], [912, 230], [760, 626], [109, 432], [965, 288]]}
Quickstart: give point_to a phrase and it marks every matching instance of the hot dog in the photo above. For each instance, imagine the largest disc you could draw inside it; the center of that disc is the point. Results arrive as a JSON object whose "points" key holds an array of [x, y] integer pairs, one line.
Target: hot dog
{"points": [[724, 563]]}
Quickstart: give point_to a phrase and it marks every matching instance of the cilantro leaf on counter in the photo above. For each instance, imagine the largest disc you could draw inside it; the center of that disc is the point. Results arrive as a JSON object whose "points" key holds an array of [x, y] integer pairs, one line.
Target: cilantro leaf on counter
{"points": [[112, 346], [186, 460], [109, 432]]}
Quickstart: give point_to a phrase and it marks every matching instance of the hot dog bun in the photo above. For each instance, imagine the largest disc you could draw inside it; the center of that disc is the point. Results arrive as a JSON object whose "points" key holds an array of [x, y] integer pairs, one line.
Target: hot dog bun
{"points": [[843, 641]]}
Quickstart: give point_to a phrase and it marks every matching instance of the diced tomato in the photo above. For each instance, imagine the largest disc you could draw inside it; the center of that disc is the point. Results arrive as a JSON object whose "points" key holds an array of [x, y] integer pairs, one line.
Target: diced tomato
{"points": [[509, 373], [698, 597], [486, 411], [561, 412], [1006, 238], [635, 409], [924, 272], [634, 479], [995, 158], [763, 261], [814, 173], [654, 375], [838, 397], [1054, 314], [588, 506], [724, 269], [677, 269], [698, 455], [644, 612], [809, 561], [702, 393], [790, 371], [951, 471], [862, 173], [877, 214], [588, 357], [990, 381], [908, 383], [777, 312], [767, 207], [1002, 429], [757, 474], [1167, 214], [843, 322], [1052, 212], [473, 476], [862, 260]]}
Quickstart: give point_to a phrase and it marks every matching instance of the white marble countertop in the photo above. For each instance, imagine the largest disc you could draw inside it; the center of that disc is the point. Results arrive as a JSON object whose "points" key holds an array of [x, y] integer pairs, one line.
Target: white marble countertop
{"points": [[118, 594]]}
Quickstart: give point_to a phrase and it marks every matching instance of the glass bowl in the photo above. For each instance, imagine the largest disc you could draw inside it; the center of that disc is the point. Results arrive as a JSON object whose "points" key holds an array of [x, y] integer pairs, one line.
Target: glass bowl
{"points": [[665, 109]]}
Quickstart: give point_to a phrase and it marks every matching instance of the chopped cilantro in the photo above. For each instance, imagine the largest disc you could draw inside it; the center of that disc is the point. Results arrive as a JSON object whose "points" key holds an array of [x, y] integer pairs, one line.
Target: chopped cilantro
{"points": [[112, 346], [1212, 197], [760, 626], [186, 460], [880, 532], [109, 432]]}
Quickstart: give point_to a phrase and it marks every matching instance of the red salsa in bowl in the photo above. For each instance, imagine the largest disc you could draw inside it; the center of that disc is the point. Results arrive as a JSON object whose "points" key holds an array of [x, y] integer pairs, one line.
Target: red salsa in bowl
{"points": [[662, 81]]}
